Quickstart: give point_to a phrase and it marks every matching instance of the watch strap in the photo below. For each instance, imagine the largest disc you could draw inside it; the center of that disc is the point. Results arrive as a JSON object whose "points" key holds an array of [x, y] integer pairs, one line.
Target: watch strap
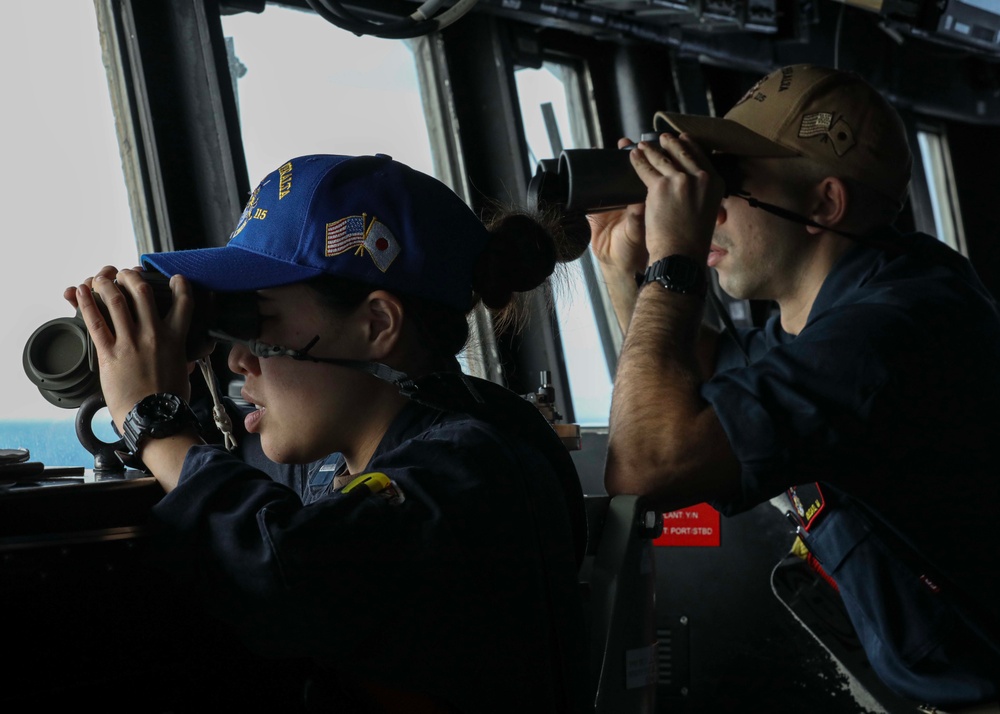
{"points": [[678, 273], [137, 428]]}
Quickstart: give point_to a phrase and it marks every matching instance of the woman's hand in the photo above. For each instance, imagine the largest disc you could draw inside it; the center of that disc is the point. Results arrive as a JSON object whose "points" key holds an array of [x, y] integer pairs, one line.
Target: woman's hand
{"points": [[108, 271], [139, 353]]}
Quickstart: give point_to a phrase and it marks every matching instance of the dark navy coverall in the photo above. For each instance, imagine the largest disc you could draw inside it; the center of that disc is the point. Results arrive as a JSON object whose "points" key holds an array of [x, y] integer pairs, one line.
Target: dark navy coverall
{"points": [[889, 399], [463, 586]]}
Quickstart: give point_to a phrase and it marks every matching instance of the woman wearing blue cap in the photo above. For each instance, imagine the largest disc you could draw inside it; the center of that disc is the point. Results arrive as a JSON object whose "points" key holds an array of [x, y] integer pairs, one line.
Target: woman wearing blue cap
{"points": [[436, 570]]}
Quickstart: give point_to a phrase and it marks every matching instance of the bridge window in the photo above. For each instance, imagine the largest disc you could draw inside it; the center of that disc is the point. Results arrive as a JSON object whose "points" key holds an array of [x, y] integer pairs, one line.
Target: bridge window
{"points": [[305, 86], [936, 160], [555, 118], [66, 212]]}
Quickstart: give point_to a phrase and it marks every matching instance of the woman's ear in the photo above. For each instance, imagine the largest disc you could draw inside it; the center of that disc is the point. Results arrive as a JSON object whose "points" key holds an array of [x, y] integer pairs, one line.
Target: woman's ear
{"points": [[830, 204], [383, 315]]}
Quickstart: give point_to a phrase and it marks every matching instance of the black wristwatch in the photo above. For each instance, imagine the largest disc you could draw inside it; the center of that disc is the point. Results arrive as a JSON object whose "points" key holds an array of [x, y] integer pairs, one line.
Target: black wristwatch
{"points": [[679, 274], [154, 417]]}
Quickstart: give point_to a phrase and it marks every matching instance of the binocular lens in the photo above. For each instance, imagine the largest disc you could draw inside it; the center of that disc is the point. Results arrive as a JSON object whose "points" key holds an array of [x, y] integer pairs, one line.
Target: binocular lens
{"points": [[58, 350], [58, 360], [586, 181]]}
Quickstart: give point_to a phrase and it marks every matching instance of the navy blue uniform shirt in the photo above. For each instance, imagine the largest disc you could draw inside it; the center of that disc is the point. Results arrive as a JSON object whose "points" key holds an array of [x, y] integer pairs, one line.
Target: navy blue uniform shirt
{"points": [[465, 587], [889, 398]]}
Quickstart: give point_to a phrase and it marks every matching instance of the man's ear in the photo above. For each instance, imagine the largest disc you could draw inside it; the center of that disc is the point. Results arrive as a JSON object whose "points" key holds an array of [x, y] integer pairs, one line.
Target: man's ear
{"points": [[830, 204], [383, 316]]}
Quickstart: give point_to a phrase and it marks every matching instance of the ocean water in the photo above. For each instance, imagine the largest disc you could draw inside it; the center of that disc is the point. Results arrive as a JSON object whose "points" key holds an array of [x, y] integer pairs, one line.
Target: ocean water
{"points": [[53, 442]]}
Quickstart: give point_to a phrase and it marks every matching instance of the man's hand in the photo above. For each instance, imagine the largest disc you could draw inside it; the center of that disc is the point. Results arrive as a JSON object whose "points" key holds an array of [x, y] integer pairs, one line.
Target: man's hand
{"points": [[683, 199], [618, 242], [618, 238]]}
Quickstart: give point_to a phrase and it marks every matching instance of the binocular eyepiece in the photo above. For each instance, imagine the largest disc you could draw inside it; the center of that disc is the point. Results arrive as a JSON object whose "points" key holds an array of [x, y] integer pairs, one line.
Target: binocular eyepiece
{"points": [[584, 181], [60, 359]]}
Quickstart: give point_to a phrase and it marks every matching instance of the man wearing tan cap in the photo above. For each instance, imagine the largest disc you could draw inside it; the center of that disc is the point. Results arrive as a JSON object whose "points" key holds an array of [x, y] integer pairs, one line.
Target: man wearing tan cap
{"points": [[869, 404]]}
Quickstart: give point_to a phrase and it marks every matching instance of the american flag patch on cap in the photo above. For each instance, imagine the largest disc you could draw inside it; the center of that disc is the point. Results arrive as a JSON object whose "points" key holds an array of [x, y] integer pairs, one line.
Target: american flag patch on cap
{"points": [[344, 234]]}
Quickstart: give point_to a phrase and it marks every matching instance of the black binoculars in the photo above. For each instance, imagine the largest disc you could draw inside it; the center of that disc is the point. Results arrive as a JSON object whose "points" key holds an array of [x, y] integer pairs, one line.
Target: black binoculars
{"points": [[584, 181], [60, 360]]}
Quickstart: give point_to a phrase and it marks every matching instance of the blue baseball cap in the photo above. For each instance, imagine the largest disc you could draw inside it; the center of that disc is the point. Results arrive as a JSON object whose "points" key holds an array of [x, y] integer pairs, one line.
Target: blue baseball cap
{"points": [[365, 218]]}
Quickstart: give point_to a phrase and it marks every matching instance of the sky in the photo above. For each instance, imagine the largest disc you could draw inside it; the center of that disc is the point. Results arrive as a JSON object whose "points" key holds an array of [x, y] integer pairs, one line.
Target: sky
{"points": [[62, 192]]}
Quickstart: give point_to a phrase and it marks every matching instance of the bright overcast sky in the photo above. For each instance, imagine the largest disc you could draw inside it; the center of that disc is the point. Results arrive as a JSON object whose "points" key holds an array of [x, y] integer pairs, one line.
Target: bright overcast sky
{"points": [[62, 188]]}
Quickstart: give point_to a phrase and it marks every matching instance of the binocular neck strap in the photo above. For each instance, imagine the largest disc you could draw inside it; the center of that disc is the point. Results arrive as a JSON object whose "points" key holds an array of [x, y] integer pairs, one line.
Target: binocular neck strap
{"points": [[219, 414], [448, 391], [789, 215], [264, 350], [886, 245]]}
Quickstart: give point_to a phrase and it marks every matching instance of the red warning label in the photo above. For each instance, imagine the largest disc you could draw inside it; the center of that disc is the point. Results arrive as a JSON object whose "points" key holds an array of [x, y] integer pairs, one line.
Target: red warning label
{"points": [[696, 525]]}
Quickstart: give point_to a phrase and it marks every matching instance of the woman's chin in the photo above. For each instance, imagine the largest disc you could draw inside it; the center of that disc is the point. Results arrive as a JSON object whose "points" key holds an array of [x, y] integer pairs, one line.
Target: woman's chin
{"points": [[289, 454], [278, 455]]}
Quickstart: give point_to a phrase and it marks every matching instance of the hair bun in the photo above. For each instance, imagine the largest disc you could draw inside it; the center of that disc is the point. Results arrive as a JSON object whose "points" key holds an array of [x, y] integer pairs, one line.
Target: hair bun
{"points": [[519, 257], [575, 231]]}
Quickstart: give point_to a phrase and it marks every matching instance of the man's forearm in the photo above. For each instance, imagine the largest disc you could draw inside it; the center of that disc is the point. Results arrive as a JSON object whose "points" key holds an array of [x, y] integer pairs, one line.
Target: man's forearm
{"points": [[664, 439]]}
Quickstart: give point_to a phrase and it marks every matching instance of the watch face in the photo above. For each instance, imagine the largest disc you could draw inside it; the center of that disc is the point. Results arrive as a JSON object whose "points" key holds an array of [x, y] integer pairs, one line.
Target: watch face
{"points": [[159, 407], [683, 274], [156, 416]]}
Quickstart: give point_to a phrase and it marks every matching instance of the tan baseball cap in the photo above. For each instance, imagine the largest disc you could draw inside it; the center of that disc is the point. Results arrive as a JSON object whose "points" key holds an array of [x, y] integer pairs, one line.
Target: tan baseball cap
{"points": [[830, 116]]}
